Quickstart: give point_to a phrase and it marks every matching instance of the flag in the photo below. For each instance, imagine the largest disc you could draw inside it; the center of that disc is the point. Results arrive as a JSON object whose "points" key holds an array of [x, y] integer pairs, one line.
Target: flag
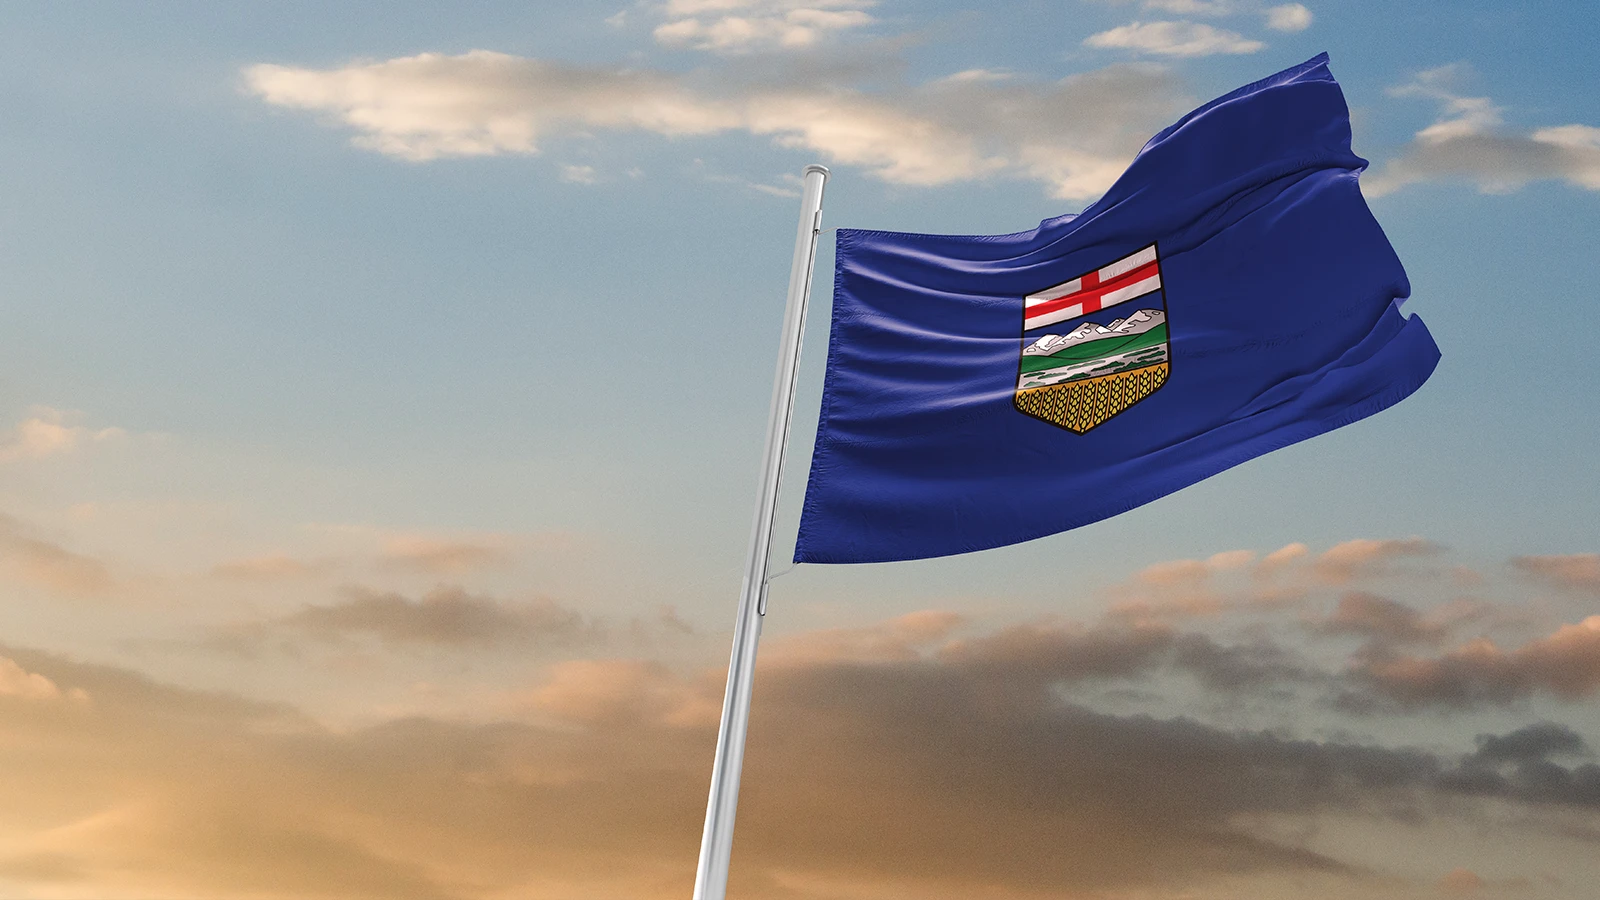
{"points": [[1231, 294]]}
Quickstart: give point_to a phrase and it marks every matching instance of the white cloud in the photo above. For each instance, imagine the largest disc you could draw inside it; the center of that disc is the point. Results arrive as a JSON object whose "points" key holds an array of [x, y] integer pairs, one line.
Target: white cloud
{"points": [[1192, 7], [969, 76], [483, 103], [898, 145], [579, 174], [786, 185], [1173, 39], [700, 7], [1289, 17], [1469, 141], [48, 432], [743, 26], [1075, 135]]}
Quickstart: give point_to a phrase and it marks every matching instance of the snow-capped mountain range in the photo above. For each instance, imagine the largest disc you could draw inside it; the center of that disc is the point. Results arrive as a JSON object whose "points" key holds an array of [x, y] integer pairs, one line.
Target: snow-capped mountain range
{"points": [[1137, 323]]}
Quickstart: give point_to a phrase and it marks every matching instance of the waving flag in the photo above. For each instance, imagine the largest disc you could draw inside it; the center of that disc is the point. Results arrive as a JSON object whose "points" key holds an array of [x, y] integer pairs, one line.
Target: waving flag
{"points": [[1230, 295]]}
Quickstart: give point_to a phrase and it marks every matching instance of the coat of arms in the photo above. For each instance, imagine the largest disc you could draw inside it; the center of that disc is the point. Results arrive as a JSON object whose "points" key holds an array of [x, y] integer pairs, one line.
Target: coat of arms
{"points": [[1083, 361]]}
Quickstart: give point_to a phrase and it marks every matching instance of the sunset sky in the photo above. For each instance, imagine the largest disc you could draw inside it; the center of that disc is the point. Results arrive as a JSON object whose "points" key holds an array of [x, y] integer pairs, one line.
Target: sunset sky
{"points": [[382, 389]]}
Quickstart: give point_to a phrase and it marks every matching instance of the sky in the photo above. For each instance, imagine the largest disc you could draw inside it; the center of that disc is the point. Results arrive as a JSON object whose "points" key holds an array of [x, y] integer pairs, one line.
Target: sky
{"points": [[382, 389]]}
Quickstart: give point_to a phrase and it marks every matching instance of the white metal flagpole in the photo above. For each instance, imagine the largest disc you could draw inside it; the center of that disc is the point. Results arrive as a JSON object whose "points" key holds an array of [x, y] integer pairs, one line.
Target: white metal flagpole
{"points": [[716, 845]]}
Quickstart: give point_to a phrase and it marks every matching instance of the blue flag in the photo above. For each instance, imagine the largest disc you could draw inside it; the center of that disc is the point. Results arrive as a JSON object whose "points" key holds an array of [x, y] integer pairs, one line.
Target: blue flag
{"points": [[1231, 294]]}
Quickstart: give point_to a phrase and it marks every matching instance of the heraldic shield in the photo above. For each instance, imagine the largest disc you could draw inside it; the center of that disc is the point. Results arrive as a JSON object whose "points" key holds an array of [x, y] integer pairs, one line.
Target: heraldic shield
{"points": [[1083, 361]]}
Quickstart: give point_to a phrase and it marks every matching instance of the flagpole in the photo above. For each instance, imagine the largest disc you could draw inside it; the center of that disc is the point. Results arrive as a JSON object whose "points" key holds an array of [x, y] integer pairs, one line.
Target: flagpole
{"points": [[716, 844]]}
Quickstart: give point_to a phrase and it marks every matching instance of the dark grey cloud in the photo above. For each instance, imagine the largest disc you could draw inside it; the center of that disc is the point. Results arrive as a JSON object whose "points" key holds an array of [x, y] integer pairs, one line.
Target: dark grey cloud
{"points": [[1521, 765], [1053, 653], [1534, 742], [1241, 667]]}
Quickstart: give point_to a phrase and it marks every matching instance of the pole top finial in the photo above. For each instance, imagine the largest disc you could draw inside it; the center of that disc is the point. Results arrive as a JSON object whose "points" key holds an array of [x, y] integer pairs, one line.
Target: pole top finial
{"points": [[814, 167]]}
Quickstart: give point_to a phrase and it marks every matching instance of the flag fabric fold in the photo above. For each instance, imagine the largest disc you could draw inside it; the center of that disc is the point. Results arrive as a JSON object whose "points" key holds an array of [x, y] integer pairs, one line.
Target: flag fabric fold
{"points": [[1231, 294]]}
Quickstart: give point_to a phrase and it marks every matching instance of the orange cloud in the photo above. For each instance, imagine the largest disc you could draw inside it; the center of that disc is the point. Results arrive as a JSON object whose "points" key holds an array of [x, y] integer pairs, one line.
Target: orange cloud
{"points": [[626, 692], [1364, 557], [276, 567], [1565, 664], [1282, 557], [1578, 571], [1461, 883], [1184, 588], [437, 556], [18, 683], [906, 637], [50, 565]]}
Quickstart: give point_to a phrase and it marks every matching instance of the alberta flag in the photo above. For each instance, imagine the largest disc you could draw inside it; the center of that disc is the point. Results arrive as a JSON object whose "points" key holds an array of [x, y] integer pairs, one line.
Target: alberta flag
{"points": [[1231, 294]]}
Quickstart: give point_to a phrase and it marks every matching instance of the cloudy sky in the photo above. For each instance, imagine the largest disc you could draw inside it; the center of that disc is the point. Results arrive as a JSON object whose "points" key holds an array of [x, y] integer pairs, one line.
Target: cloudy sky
{"points": [[381, 397]]}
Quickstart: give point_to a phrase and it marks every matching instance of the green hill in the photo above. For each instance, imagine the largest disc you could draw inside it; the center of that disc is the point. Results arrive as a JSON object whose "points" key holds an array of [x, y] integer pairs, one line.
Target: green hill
{"points": [[1106, 346]]}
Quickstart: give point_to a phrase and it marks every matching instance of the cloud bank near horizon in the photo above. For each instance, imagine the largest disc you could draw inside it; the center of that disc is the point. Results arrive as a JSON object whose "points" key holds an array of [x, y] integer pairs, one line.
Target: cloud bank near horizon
{"points": [[935, 752], [896, 759]]}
